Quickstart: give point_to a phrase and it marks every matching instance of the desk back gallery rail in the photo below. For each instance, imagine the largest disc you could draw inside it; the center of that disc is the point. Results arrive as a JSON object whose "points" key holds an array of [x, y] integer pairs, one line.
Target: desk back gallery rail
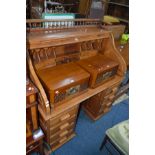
{"points": [[35, 25]]}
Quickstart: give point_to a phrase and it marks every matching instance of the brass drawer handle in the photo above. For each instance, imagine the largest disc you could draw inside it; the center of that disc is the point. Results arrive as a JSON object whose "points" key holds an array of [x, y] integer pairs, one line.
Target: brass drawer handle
{"points": [[64, 126], [64, 133], [65, 117]]}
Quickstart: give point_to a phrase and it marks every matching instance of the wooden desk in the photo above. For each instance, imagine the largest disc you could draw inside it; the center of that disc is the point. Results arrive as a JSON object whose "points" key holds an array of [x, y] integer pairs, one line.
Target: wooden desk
{"points": [[58, 122]]}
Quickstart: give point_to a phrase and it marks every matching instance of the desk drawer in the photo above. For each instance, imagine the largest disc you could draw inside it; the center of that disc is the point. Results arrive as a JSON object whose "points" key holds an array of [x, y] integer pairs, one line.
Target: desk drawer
{"points": [[107, 99], [106, 105], [62, 126], [62, 133], [104, 109], [67, 59], [64, 116], [112, 90], [60, 139]]}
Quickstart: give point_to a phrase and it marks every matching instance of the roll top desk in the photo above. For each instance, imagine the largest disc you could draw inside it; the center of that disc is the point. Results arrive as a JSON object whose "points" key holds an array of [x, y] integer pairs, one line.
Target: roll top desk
{"points": [[56, 44]]}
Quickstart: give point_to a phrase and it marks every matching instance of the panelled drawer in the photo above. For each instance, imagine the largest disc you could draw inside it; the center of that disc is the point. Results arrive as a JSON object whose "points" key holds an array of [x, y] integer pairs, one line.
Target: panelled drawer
{"points": [[109, 95], [67, 59], [61, 139], [104, 109], [112, 90], [62, 126], [107, 99], [64, 116], [106, 105], [62, 133]]}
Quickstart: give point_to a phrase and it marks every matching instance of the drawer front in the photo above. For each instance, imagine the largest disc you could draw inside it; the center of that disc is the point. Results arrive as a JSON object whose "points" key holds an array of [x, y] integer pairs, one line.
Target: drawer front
{"points": [[62, 126], [104, 109], [108, 98], [106, 105], [105, 75], [106, 101], [64, 116], [62, 133], [112, 90], [67, 59], [61, 95], [109, 95], [62, 138]]}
